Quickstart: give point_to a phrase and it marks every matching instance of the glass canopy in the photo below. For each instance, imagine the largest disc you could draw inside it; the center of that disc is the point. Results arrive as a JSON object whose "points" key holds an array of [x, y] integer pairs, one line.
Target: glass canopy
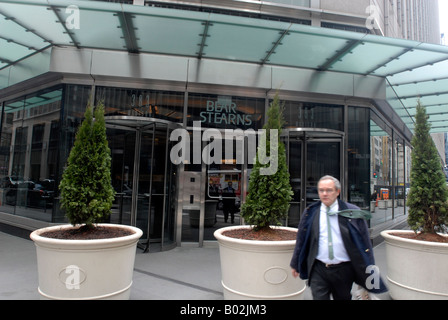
{"points": [[413, 70]]}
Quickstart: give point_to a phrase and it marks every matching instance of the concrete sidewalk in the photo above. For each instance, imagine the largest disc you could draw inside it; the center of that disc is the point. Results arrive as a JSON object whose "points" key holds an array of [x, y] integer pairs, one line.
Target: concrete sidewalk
{"points": [[183, 273]]}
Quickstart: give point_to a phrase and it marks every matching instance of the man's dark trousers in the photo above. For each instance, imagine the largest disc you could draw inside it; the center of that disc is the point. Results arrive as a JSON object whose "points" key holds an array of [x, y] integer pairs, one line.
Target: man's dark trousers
{"points": [[335, 280]]}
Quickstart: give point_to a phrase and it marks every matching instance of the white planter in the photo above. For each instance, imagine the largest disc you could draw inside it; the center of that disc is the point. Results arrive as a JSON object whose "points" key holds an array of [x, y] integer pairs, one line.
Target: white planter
{"points": [[257, 269], [416, 270], [85, 269]]}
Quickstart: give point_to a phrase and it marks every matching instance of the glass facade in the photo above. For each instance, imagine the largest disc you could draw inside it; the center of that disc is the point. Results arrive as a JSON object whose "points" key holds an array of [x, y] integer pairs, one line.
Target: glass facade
{"points": [[142, 103], [378, 166], [353, 143], [29, 154], [358, 154], [313, 115]]}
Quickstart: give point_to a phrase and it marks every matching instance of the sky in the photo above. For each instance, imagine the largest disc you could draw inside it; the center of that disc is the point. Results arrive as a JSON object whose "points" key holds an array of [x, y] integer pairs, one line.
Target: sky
{"points": [[443, 8]]}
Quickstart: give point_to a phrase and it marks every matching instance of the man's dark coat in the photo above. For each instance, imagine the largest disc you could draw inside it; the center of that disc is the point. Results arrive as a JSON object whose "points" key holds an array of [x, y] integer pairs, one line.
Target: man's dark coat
{"points": [[355, 236]]}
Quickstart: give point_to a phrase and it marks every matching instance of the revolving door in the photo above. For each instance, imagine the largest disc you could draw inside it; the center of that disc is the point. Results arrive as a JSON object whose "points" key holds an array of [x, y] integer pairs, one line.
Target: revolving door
{"points": [[144, 178]]}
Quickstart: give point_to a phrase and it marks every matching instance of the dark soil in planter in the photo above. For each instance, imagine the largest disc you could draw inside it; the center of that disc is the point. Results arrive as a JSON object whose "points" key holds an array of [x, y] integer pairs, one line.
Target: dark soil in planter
{"points": [[85, 233], [261, 235], [430, 237]]}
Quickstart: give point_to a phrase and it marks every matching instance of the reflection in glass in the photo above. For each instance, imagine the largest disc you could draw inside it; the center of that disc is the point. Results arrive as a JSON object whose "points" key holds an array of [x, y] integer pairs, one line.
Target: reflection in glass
{"points": [[142, 103], [28, 164], [382, 165], [313, 115]]}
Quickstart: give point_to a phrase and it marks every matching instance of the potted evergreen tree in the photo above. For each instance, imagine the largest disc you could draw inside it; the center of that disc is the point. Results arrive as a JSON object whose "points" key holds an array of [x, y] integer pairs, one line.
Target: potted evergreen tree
{"points": [[417, 259], [87, 259], [255, 257]]}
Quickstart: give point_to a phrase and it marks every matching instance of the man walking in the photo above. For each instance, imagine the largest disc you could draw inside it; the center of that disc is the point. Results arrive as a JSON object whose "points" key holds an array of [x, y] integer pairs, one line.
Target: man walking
{"points": [[333, 247]]}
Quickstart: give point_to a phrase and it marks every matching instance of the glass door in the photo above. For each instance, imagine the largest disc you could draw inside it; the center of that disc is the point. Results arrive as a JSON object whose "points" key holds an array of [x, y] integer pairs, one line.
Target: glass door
{"points": [[156, 186], [323, 157], [294, 150], [144, 179], [311, 155], [225, 185], [122, 144], [143, 198], [212, 191]]}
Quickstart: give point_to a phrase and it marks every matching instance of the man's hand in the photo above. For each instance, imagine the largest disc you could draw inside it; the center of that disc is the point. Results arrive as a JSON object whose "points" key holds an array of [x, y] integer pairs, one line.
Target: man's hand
{"points": [[294, 272]]}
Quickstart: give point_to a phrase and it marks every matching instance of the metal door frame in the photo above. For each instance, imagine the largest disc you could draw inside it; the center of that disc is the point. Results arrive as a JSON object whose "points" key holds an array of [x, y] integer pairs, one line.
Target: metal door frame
{"points": [[315, 135], [141, 125], [204, 179]]}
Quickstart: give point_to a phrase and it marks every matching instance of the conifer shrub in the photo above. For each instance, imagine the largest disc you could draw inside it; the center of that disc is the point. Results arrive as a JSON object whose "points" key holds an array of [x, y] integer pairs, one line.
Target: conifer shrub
{"points": [[86, 192], [269, 192], [427, 199]]}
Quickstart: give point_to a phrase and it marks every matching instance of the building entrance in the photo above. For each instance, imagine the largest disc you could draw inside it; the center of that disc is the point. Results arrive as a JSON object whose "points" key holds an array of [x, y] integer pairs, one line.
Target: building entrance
{"points": [[311, 154], [144, 178], [206, 189], [212, 192]]}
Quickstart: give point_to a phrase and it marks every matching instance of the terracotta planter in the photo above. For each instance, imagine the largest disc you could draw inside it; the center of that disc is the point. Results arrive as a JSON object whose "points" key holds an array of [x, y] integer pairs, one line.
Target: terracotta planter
{"points": [[257, 269], [85, 269], [416, 270]]}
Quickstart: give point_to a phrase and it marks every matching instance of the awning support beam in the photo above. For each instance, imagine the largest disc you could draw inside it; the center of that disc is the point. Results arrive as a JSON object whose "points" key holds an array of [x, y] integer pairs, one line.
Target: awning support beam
{"points": [[128, 29], [388, 61], [275, 44], [62, 22], [204, 36], [351, 44]]}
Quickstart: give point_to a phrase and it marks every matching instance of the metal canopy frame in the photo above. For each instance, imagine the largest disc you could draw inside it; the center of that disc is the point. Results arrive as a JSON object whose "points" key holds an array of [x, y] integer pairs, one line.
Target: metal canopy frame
{"points": [[127, 26], [412, 70]]}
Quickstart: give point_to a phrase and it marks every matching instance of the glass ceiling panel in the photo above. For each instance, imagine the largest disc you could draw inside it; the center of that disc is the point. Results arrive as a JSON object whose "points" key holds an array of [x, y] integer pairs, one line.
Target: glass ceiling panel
{"points": [[10, 50], [429, 72], [35, 101], [11, 30], [411, 60], [367, 57], [307, 50], [422, 89], [180, 37], [438, 117], [13, 106], [438, 124], [437, 110], [243, 43], [41, 19], [375, 130], [397, 105], [106, 34], [427, 101]]}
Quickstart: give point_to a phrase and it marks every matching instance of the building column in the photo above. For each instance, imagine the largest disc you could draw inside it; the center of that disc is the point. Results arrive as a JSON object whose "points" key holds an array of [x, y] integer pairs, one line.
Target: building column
{"points": [[315, 17]]}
